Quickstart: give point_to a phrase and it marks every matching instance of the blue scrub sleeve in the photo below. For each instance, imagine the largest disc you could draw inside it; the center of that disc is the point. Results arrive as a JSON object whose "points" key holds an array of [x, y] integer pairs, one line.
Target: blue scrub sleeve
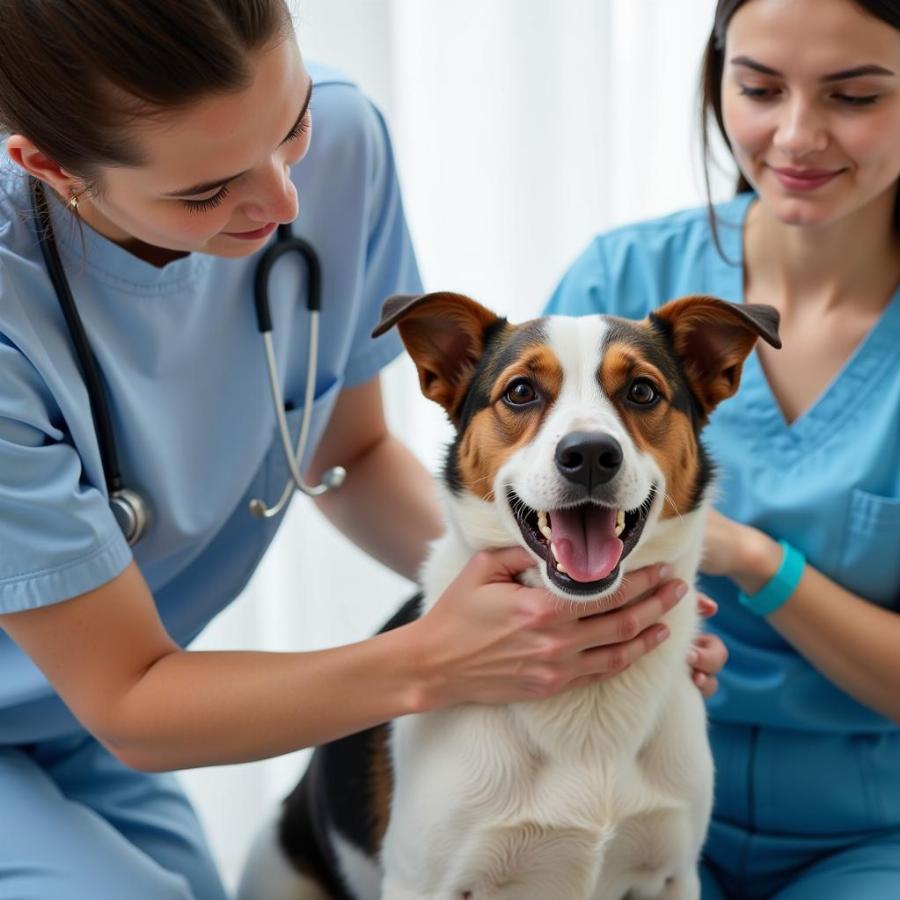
{"points": [[58, 537]]}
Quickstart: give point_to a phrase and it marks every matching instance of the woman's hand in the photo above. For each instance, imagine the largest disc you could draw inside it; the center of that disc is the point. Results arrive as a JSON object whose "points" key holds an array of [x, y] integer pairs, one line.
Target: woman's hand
{"points": [[742, 553], [708, 655], [489, 639]]}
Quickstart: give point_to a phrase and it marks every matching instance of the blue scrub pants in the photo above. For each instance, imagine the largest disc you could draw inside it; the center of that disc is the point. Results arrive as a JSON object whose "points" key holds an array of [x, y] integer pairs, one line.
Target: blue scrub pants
{"points": [[803, 816], [76, 824]]}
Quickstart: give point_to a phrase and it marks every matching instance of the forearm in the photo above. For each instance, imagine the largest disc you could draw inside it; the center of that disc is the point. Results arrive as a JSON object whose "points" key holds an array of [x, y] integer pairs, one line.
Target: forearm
{"points": [[387, 506], [195, 708], [851, 641]]}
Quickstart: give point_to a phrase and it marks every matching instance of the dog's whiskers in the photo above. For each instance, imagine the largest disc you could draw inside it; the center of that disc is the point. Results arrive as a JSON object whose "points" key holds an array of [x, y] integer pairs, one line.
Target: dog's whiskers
{"points": [[668, 499]]}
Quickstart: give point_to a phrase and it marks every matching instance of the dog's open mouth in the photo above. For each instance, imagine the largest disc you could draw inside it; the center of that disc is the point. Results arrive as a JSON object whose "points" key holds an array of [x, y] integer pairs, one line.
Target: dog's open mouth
{"points": [[582, 545]]}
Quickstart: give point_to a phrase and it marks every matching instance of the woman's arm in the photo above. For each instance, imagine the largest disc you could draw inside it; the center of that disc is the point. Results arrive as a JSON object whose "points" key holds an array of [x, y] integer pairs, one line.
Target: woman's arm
{"points": [[854, 643], [487, 639], [388, 505]]}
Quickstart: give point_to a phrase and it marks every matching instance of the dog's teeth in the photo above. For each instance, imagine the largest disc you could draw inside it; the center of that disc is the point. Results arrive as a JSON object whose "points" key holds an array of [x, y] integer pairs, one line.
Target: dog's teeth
{"points": [[620, 521], [559, 566], [544, 524]]}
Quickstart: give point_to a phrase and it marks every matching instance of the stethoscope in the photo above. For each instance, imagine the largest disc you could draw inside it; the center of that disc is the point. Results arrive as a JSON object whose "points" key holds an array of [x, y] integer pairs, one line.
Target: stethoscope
{"points": [[130, 508]]}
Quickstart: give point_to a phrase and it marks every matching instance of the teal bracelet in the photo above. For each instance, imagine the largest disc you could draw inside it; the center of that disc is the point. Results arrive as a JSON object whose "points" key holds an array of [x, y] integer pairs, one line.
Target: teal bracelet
{"points": [[779, 588]]}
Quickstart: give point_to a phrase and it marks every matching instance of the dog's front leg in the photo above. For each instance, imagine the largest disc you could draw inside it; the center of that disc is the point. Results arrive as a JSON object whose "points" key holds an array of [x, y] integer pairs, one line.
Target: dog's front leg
{"points": [[684, 886], [435, 801]]}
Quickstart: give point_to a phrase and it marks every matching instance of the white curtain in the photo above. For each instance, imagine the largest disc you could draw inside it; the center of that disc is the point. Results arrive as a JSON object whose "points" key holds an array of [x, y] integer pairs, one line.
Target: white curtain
{"points": [[521, 128]]}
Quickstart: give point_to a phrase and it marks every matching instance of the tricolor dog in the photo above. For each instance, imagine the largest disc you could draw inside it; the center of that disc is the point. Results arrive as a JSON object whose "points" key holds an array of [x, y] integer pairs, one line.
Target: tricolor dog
{"points": [[579, 440]]}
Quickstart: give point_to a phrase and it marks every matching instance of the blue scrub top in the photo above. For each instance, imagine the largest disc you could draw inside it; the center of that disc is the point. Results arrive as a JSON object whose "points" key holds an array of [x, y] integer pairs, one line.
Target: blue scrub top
{"points": [[185, 373], [829, 482]]}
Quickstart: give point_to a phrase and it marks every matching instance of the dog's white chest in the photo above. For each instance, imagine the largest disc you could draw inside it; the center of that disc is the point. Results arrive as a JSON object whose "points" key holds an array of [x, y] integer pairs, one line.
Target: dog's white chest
{"points": [[495, 801]]}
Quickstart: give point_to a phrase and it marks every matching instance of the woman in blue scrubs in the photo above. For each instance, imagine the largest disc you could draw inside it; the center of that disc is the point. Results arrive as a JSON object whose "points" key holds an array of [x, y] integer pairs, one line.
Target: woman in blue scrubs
{"points": [[168, 135], [804, 548]]}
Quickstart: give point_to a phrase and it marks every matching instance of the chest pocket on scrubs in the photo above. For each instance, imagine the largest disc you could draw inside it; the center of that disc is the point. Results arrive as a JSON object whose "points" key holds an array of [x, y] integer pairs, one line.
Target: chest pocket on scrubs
{"points": [[870, 557]]}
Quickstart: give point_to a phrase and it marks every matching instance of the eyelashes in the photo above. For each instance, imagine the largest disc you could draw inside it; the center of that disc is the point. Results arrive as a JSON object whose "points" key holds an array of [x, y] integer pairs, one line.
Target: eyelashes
{"points": [[857, 101], [302, 127], [201, 206], [764, 94]]}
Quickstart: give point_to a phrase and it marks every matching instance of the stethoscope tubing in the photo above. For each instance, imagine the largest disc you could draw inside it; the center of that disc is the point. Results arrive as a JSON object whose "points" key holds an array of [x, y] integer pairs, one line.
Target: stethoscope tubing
{"points": [[90, 371], [291, 455], [334, 477], [131, 510]]}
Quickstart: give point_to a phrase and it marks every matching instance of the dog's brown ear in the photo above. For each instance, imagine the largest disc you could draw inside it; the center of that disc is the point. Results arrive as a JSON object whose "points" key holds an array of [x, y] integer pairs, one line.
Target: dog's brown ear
{"points": [[445, 335], [713, 338]]}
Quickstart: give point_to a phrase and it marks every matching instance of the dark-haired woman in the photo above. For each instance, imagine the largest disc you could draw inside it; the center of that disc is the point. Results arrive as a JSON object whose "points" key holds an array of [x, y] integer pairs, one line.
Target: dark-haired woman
{"points": [[160, 141], [804, 549]]}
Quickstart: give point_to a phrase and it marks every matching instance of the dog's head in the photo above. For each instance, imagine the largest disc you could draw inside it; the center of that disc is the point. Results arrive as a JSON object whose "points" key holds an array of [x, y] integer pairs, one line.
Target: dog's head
{"points": [[577, 436]]}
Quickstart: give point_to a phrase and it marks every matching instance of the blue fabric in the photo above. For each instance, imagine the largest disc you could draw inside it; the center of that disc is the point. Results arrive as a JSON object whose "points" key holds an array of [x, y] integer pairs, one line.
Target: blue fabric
{"points": [[798, 761], [77, 824], [795, 806], [780, 587], [184, 368]]}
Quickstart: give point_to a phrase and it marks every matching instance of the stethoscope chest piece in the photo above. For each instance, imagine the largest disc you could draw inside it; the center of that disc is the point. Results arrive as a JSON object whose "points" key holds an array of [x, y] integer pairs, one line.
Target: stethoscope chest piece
{"points": [[131, 512]]}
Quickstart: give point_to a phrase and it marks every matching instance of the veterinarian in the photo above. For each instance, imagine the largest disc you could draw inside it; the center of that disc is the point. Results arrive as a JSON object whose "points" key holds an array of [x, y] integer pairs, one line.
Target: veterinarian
{"points": [[153, 147], [804, 550]]}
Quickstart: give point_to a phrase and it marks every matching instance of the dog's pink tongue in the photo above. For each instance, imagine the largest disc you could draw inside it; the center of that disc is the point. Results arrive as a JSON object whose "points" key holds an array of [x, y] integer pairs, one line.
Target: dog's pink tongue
{"points": [[585, 541]]}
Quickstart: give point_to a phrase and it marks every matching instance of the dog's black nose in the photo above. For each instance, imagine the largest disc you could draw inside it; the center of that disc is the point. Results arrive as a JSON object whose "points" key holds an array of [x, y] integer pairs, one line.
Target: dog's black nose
{"points": [[588, 457]]}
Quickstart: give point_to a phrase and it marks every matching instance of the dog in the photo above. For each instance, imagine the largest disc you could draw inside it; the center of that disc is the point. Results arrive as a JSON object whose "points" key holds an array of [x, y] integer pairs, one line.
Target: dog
{"points": [[578, 439]]}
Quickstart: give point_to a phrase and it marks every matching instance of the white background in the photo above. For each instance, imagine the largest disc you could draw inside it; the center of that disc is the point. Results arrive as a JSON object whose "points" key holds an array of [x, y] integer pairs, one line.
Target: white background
{"points": [[521, 128]]}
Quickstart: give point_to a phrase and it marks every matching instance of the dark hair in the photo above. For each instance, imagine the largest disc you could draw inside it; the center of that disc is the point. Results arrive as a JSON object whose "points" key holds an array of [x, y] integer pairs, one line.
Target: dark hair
{"points": [[711, 89], [73, 73]]}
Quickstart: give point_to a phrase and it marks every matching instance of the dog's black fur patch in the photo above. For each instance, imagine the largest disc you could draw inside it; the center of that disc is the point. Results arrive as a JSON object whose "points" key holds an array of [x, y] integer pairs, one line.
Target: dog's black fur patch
{"points": [[335, 794], [503, 345], [658, 347]]}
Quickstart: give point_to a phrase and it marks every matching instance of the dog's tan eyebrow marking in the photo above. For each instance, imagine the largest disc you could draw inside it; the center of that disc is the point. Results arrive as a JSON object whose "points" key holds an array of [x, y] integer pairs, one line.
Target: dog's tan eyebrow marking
{"points": [[505, 346], [539, 363], [496, 431], [664, 431], [622, 363]]}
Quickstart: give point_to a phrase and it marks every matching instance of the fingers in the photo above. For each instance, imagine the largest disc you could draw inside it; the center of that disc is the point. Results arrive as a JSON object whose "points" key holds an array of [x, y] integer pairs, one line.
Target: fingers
{"points": [[708, 655], [708, 684], [633, 625], [501, 565], [706, 606], [634, 584], [606, 661]]}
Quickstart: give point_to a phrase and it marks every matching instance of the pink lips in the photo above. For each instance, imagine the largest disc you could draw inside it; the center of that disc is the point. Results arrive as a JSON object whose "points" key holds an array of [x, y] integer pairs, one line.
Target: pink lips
{"points": [[255, 235], [804, 179]]}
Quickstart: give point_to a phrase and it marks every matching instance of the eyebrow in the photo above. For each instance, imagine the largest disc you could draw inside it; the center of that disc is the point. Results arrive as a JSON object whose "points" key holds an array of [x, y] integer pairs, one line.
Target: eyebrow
{"points": [[857, 72], [221, 182]]}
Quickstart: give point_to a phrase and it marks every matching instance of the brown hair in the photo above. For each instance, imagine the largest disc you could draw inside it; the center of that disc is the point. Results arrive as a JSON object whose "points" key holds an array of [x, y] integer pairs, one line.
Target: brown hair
{"points": [[711, 90], [73, 73]]}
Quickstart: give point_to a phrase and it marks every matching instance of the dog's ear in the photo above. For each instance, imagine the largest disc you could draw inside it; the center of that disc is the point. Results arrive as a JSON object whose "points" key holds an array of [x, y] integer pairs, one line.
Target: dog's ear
{"points": [[713, 338], [445, 335]]}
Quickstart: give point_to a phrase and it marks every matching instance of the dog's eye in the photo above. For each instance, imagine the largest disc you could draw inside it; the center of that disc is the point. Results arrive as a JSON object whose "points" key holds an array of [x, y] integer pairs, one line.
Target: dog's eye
{"points": [[643, 392], [520, 393]]}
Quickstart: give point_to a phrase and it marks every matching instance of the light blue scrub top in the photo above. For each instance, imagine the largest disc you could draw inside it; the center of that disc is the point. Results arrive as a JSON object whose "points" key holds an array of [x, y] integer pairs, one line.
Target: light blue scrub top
{"points": [[829, 483], [184, 369]]}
